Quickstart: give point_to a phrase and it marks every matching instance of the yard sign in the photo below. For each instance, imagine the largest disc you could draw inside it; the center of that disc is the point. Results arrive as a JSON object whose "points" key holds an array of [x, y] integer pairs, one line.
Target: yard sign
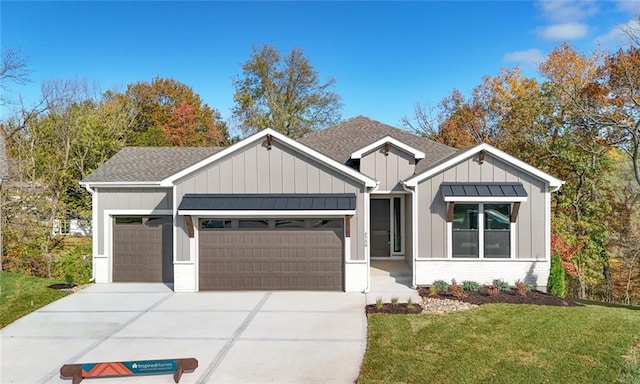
{"points": [[129, 368]]}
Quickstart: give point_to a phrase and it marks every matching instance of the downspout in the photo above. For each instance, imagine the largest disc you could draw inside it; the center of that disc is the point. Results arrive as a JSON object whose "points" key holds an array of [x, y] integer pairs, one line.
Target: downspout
{"points": [[94, 220], [414, 237]]}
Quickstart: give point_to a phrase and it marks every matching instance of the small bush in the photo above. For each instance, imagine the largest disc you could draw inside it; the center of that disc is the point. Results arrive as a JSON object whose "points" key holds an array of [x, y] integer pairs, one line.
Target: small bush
{"points": [[556, 282], [468, 285], [441, 285], [456, 290], [501, 284], [433, 291], [394, 300], [379, 303], [492, 290], [410, 303], [522, 288]]}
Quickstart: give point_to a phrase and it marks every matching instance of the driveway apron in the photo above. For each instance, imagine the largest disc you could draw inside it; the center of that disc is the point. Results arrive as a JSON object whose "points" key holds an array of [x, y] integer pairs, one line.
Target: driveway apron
{"points": [[237, 337]]}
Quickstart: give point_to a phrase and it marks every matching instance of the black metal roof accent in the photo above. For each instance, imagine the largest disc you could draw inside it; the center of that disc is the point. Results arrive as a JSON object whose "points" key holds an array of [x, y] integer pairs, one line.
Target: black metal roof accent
{"points": [[482, 190], [269, 202]]}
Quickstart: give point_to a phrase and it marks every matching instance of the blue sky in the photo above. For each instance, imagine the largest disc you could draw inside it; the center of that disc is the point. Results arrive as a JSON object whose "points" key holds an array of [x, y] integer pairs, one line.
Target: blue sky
{"points": [[386, 56]]}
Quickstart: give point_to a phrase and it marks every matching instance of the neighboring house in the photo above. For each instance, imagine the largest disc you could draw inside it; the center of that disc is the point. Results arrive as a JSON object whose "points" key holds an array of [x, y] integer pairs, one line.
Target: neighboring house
{"points": [[270, 212], [4, 176]]}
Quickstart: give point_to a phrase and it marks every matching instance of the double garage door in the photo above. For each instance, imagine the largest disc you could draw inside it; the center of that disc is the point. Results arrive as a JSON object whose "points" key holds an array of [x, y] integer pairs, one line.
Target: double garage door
{"points": [[271, 254]]}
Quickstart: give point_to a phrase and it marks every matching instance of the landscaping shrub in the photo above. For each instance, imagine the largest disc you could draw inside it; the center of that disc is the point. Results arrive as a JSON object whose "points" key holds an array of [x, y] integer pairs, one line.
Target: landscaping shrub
{"points": [[456, 290], [441, 285], [501, 285], [74, 263], [433, 291], [556, 283], [469, 285], [522, 288], [492, 290]]}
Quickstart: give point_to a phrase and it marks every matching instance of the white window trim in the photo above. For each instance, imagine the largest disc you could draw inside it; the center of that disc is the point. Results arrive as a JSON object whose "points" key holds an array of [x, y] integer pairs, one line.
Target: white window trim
{"points": [[512, 237]]}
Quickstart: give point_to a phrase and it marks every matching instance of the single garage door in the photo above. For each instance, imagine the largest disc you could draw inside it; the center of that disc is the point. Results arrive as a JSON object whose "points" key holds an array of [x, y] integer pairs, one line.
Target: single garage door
{"points": [[271, 254], [142, 249]]}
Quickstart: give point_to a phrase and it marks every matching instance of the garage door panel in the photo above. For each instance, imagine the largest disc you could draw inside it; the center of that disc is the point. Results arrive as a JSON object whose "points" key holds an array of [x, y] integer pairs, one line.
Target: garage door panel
{"points": [[271, 259], [141, 252]]}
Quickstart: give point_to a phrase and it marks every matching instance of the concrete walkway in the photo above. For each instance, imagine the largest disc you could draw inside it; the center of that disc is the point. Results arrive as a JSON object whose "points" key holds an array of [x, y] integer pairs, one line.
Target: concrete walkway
{"points": [[237, 337], [391, 278]]}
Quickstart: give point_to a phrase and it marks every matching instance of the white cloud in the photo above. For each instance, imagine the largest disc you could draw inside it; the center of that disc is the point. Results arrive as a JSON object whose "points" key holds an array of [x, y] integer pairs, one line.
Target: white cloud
{"points": [[617, 35], [632, 6], [568, 11], [530, 58], [565, 31]]}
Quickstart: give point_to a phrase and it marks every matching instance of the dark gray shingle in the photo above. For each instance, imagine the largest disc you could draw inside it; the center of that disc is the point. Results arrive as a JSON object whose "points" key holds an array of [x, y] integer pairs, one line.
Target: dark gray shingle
{"points": [[148, 164], [341, 140]]}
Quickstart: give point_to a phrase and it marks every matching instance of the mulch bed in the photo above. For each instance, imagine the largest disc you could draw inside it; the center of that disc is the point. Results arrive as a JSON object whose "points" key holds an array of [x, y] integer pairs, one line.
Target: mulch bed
{"points": [[507, 297], [477, 298]]}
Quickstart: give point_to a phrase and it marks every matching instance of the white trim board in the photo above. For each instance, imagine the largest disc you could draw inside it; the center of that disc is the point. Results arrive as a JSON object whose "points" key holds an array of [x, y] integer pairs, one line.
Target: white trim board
{"points": [[417, 154], [369, 182], [465, 154]]}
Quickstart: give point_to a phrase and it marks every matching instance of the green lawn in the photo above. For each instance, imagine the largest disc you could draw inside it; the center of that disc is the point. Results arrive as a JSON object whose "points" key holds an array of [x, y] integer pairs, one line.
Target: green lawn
{"points": [[503, 343], [20, 295]]}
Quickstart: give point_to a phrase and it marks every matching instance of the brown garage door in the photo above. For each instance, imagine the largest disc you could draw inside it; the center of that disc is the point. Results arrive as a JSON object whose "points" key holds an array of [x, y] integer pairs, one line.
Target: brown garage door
{"points": [[271, 255], [142, 249]]}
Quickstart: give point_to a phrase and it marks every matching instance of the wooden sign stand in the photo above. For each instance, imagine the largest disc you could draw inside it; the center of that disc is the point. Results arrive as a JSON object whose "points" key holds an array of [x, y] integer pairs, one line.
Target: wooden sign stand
{"points": [[78, 372]]}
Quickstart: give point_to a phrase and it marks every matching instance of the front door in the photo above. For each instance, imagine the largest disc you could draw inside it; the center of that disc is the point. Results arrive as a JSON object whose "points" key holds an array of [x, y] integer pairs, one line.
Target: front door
{"points": [[380, 228]]}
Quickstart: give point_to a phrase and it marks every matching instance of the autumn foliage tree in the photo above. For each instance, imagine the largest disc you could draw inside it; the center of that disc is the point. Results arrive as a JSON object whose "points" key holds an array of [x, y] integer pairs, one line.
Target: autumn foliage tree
{"points": [[170, 113], [575, 123]]}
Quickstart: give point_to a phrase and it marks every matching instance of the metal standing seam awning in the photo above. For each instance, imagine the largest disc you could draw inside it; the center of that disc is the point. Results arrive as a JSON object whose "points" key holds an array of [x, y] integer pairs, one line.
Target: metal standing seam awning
{"points": [[338, 204], [483, 192]]}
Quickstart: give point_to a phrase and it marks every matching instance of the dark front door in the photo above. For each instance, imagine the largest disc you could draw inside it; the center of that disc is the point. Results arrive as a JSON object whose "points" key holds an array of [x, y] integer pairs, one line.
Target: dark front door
{"points": [[380, 228]]}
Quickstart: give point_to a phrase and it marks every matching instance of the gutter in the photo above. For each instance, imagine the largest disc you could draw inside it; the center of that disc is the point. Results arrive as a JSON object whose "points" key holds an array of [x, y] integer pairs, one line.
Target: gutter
{"points": [[414, 237]]}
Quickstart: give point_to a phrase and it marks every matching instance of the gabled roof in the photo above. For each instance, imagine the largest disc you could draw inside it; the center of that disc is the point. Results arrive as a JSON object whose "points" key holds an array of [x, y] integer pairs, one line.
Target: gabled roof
{"points": [[147, 165], [466, 153], [417, 154], [4, 161], [340, 141], [344, 169]]}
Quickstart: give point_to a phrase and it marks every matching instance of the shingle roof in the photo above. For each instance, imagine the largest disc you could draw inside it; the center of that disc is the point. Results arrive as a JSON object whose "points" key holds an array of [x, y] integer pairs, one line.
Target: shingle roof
{"points": [[4, 161], [148, 164], [341, 140], [269, 202], [153, 164]]}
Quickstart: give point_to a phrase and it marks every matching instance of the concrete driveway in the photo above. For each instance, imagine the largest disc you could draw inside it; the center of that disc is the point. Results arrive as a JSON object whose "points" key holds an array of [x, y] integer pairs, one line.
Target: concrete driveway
{"points": [[237, 337]]}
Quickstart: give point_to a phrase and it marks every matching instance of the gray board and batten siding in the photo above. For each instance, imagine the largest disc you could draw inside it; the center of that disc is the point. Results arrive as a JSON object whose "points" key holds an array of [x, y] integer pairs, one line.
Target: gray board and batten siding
{"points": [[389, 168], [530, 225], [130, 199], [280, 169]]}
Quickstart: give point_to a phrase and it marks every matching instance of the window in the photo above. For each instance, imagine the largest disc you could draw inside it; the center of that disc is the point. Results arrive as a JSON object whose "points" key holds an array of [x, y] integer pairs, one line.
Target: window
{"points": [[497, 230], [253, 224], [290, 224], [481, 231], [128, 220], [215, 224], [465, 230], [397, 225]]}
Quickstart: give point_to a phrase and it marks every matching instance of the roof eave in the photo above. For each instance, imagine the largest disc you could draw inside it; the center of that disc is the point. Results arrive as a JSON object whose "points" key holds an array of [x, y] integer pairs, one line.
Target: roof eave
{"points": [[368, 182], [553, 182]]}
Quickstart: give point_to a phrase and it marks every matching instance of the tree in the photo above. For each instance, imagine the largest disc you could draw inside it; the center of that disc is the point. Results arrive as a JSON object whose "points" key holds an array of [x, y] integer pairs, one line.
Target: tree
{"points": [[168, 112], [283, 94], [13, 68], [555, 284]]}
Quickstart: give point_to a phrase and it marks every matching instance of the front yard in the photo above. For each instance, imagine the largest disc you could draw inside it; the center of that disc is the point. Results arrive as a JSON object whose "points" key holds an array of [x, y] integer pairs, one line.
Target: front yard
{"points": [[21, 294], [503, 343]]}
